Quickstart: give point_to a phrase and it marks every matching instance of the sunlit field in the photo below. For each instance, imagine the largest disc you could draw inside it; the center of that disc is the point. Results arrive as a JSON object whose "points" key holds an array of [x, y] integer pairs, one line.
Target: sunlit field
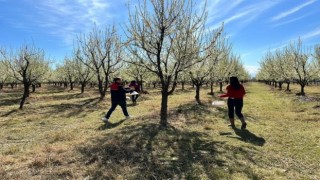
{"points": [[59, 135]]}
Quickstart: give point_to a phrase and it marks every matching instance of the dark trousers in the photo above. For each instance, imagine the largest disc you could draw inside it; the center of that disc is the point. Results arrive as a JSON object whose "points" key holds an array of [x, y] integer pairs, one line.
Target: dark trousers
{"points": [[235, 105], [134, 98], [123, 106]]}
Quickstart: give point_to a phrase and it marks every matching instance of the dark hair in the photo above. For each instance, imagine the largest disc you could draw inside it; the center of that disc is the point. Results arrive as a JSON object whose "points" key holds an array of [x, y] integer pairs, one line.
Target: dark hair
{"points": [[116, 79], [234, 82], [133, 82]]}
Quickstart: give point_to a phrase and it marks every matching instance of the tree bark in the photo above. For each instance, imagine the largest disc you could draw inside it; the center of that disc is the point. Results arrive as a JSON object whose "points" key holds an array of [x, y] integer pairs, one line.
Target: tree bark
{"points": [[198, 86], [302, 93], [288, 86], [280, 85], [26, 93], [211, 88], [141, 84], [182, 85], [220, 83], [33, 88], [164, 108], [83, 85], [101, 89]]}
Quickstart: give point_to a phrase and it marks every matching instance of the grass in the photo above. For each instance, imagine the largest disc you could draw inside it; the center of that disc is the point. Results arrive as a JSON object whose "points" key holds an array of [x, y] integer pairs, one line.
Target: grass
{"points": [[59, 135]]}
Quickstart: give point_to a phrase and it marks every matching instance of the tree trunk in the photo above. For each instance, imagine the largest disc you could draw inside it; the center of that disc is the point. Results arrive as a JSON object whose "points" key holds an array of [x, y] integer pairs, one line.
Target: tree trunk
{"points": [[280, 85], [211, 88], [1, 85], [26, 93], [182, 85], [288, 86], [198, 93], [302, 90], [71, 86], [164, 108], [33, 88], [220, 83], [101, 91], [141, 84], [82, 87]]}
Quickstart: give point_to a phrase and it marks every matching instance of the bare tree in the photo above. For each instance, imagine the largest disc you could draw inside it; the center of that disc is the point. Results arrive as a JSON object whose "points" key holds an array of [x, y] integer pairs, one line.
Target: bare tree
{"points": [[27, 65], [83, 73], [4, 77], [101, 51], [304, 67], [69, 72], [317, 57], [207, 61], [162, 36]]}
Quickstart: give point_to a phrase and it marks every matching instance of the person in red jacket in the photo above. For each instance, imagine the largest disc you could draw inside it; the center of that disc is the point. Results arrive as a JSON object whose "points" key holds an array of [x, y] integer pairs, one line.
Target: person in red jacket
{"points": [[235, 93], [118, 97]]}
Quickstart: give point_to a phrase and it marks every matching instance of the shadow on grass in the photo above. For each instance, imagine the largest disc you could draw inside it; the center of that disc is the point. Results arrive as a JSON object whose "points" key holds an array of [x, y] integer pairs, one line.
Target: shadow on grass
{"points": [[249, 137], [110, 125], [147, 152], [9, 113], [72, 109], [193, 112], [244, 135], [10, 102]]}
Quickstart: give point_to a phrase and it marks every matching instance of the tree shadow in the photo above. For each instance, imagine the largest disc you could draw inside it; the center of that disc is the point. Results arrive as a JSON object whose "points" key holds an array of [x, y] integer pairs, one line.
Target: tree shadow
{"points": [[146, 151], [9, 113], [10, 102], [149, 152], [72, 109]]}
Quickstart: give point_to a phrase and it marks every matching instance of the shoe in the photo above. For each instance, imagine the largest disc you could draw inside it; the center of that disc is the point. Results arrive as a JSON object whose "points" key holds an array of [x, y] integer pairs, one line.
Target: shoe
{"points": [[128, 117], [243, 126], [104, 119], [232, 125]]}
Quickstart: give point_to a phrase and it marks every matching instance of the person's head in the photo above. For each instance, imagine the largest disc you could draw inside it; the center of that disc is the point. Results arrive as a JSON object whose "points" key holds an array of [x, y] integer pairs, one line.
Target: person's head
{"points": [[133, 82], [234, 82], [117, 80]]}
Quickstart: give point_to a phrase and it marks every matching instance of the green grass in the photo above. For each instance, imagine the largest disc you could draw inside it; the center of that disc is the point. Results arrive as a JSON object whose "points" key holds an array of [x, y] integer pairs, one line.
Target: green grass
{"points": [[59, 135]]}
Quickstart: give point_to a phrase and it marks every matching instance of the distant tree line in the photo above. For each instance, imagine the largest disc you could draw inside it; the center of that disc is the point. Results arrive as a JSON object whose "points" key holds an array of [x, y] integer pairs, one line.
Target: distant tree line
{"points": [[294, 63]]}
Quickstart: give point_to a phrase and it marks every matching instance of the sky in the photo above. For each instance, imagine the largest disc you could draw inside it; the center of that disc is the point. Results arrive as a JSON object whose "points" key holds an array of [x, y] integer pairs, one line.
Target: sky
{"points": [[254, 26]]}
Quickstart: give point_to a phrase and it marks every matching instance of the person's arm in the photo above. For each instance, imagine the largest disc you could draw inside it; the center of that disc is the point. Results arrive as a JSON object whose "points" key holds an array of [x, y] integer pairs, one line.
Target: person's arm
{"points": [[124, 90], [226, 94], [243, 91]]}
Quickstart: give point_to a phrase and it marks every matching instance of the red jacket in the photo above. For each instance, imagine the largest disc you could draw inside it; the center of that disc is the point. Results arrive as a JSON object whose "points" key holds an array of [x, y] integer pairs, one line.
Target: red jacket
{"points": [[118, 93], [234, 93]]}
